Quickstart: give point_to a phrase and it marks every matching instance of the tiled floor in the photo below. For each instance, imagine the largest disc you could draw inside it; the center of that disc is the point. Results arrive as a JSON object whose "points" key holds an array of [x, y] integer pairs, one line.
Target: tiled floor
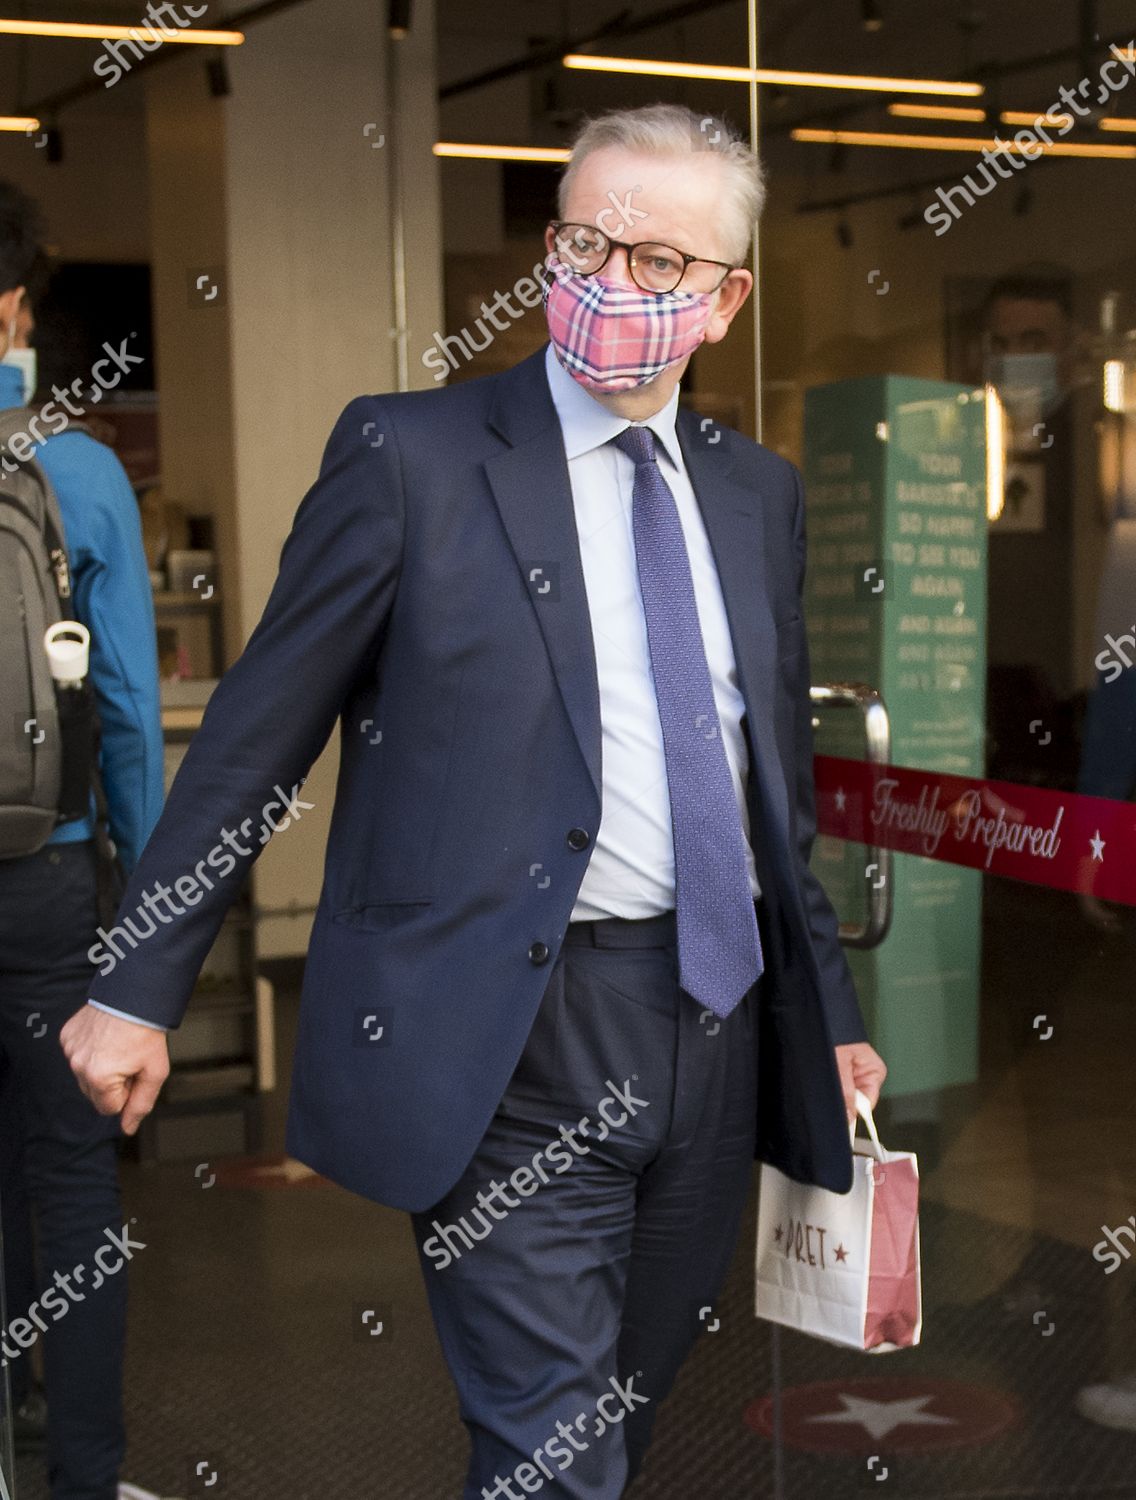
{"points": [[248, 1355]]}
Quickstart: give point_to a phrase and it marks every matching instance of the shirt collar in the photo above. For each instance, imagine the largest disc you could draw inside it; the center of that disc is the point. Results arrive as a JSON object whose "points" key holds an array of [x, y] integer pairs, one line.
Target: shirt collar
{"points": [[586, 424]]}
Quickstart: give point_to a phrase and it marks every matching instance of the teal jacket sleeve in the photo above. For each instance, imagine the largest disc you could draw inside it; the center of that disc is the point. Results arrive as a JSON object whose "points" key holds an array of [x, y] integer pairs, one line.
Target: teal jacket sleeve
{"points": [[112, 597]]}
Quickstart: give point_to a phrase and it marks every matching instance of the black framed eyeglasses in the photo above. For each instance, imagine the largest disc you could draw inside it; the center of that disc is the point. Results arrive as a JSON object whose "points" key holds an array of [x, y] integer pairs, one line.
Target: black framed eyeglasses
{"points": [[657, 268]]}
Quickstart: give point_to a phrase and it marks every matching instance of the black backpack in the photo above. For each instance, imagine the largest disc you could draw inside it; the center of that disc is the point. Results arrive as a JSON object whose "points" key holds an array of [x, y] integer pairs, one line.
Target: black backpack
{"points": [[48, 736]]}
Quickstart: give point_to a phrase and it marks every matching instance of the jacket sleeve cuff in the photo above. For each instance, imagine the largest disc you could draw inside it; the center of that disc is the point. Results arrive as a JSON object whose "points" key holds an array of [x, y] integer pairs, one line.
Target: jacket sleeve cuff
{"points": [[122, 1016]]}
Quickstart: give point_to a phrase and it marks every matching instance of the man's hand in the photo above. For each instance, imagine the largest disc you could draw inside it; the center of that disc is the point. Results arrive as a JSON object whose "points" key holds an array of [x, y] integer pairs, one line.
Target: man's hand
{"points": [[860, 1067], [120, 1065]]}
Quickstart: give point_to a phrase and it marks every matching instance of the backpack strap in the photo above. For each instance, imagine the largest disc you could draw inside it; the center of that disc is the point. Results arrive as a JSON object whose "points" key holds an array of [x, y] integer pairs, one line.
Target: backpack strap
{"points": [[17, 419], [13, 421]]}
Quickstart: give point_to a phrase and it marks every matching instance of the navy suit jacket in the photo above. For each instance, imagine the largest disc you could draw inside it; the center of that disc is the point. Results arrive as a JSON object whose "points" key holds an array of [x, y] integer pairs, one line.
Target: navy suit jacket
{"points": [[431, 599]]}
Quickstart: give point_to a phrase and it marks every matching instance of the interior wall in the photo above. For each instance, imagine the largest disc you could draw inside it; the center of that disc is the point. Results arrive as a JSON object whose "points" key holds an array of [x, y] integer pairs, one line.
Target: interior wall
{"points": [[286, 208], [185, 138]]}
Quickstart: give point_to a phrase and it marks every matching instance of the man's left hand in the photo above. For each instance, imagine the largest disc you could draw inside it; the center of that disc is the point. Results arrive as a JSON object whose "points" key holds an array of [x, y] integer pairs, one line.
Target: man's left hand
{"points": [[860, 1067]]}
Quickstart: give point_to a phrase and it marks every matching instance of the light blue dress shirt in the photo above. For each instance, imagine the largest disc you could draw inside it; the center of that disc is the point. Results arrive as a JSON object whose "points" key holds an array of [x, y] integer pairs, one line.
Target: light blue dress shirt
{"points": [[631, 871]]}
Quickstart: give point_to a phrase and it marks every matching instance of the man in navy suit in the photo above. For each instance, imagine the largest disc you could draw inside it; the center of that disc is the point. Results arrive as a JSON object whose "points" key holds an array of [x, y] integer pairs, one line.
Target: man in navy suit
{"points": [[570, 970]]}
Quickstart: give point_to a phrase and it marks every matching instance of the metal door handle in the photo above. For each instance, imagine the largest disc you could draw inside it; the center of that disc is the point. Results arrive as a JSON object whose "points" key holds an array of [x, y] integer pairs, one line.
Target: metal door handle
{"points": [[878, 873]]}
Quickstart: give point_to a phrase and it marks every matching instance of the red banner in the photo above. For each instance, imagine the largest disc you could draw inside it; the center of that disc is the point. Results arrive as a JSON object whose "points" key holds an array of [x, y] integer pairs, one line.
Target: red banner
{"points": [[1059, 839]]}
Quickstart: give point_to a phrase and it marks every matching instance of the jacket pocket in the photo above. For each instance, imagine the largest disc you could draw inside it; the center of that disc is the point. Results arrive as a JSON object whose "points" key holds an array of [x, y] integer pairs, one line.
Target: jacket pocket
{"points": [[790, 637], [381, 915]]}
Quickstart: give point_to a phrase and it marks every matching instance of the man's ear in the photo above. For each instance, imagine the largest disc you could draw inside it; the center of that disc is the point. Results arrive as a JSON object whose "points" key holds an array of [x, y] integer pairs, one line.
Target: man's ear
{"points": [[9, 307], [731, 298]]}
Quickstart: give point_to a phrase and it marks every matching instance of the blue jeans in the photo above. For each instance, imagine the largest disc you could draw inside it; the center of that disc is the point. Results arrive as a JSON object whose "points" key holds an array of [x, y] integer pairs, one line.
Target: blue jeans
{"points": [[66, 1151]]}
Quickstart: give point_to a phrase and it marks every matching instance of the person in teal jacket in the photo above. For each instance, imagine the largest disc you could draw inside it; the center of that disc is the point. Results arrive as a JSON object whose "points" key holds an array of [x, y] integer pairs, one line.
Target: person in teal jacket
{"points": [[57, 1154]]}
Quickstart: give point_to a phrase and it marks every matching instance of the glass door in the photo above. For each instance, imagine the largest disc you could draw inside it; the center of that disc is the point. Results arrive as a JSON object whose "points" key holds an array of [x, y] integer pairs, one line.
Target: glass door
{"points": [[949, 353]]}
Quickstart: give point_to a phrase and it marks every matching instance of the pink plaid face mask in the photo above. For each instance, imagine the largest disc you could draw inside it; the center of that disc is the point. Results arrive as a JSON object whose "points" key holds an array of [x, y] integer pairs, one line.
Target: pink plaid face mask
{"points": [[612, 337]]}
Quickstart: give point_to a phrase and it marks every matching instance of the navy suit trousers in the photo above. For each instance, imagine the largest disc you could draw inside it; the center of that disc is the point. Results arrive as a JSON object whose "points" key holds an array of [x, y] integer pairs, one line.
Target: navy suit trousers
{"points": [[568, 1268]]}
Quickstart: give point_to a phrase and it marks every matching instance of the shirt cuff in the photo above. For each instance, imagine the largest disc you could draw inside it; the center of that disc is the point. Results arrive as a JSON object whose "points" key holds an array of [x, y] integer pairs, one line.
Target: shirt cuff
{"points": [[122, 1016]]}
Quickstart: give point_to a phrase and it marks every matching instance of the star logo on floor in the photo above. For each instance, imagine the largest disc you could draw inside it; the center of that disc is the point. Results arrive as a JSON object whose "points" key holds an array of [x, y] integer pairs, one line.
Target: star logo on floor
{"points": [[881, 1418], [908, 1414]]}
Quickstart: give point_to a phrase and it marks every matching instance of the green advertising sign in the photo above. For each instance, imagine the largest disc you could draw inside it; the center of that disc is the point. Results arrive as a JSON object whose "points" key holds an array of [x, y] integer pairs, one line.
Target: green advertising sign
{"points": [[895, 473]]}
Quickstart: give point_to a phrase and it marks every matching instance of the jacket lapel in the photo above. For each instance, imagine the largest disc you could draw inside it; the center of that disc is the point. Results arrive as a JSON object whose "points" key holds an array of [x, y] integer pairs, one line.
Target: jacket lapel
{"points": [[530, 484], [533, 493], [731, 514]]}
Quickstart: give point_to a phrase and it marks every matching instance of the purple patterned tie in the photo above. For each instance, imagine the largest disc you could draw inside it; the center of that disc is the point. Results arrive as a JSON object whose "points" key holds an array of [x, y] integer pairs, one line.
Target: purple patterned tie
{"points": [[719, 948]]}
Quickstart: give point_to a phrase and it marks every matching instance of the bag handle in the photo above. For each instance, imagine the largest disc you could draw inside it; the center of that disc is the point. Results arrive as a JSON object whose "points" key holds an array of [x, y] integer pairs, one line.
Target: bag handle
{"points": [[864, 1112]]}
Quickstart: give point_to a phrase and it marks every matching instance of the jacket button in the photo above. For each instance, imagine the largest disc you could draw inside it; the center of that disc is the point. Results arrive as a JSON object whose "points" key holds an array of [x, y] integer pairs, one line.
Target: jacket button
{"points": [[578, 838], [538, 953]]}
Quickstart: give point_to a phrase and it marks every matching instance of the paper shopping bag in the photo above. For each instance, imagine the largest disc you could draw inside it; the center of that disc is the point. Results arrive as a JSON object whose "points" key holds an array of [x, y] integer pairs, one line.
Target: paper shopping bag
{"points": [[844, 1267]]}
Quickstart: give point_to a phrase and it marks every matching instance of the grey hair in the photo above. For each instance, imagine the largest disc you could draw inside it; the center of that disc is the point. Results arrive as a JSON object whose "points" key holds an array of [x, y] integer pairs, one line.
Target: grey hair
{"points": [[675, 131]]}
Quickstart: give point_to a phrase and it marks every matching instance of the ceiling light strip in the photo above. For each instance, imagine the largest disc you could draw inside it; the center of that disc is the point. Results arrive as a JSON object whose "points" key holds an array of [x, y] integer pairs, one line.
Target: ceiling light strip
{"points": [[973, 143], [978, 116], [471, 152], [85, 30], [787, 78], [957, 112]]}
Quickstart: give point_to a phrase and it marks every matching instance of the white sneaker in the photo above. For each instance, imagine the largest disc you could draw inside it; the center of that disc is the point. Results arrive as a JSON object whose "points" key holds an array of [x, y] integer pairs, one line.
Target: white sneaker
{"points": [[1111, 1405], [135, 1492]]}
